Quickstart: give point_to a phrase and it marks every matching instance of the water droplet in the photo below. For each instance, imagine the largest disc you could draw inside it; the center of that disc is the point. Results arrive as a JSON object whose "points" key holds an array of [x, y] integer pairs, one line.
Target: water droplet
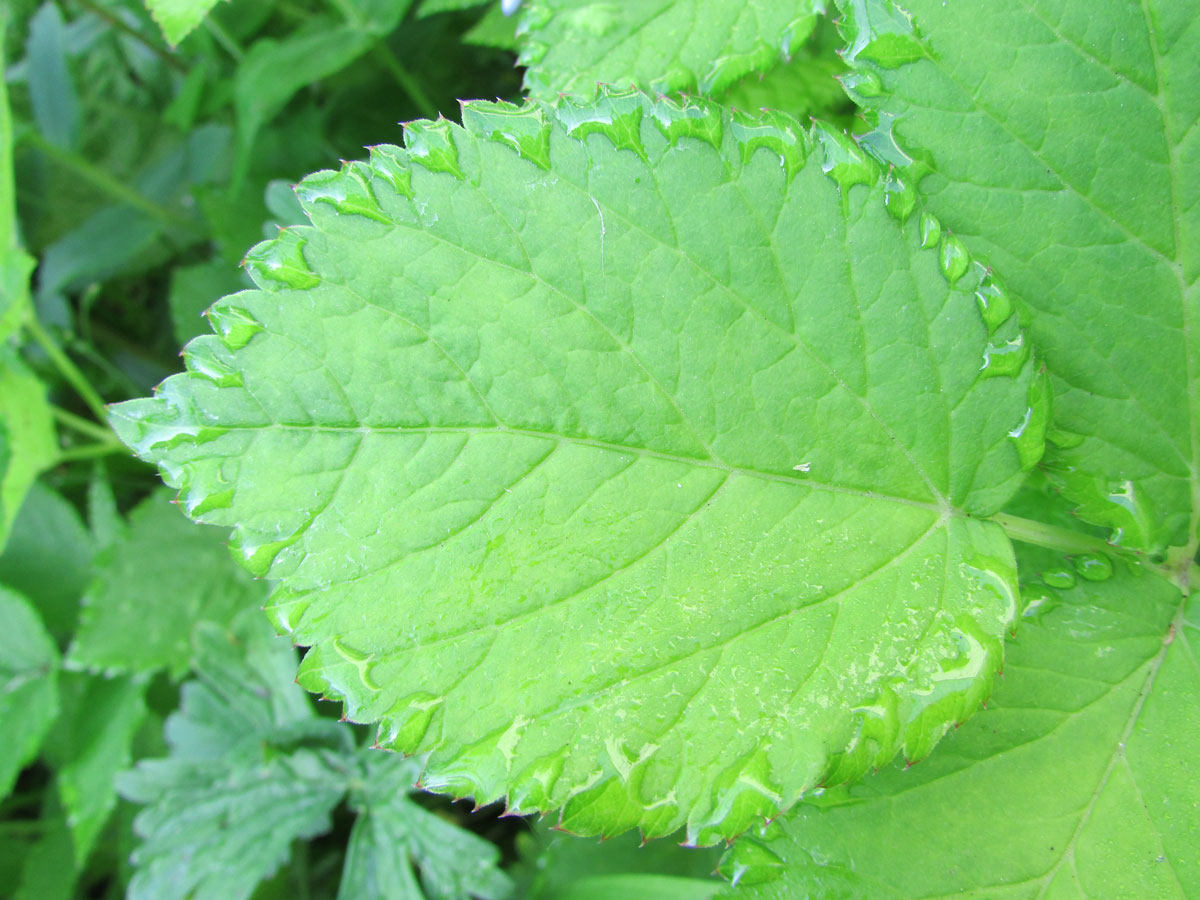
{"points": [[616, 114], [842, 160], [1007, 358], [953, 259], [233, 324], [774, 131], [347, 191], [899, 197], [390, 163], [207, 356], [280, 263], [1062, 578], [749, 862], [690, 117], [995, 306], [431, 144], [1093, 566], [931, 231], [523, 128], [881, 33], [1038, 601], [860, 85]]}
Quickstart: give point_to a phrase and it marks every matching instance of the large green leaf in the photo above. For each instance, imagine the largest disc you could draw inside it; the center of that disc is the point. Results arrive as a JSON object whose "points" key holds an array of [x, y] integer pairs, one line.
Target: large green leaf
{"points": [[251, 770], [1076, 782], [1085, 194], [662, 45], [28, 685], [150, 589], [633, 472]]}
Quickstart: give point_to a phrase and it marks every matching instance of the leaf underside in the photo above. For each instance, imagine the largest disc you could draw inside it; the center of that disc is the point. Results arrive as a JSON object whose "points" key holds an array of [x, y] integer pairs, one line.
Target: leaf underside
{"points": [[657, 45], [594, 471], [1085, 193]]}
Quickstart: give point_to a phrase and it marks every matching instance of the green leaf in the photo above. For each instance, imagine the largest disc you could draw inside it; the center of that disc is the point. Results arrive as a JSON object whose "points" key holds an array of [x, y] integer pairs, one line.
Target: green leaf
{"points": [[554, 864], [28, 685], [1083, 193], [274, 70], [15, 265], [52, 91], [48, 558], [99, 719], [192, 291], [619, 392], [658, 45], [251, 770], [151, 588], [1074, 783], [640, 887], [27, 440], [177, 18], [392, 834]]}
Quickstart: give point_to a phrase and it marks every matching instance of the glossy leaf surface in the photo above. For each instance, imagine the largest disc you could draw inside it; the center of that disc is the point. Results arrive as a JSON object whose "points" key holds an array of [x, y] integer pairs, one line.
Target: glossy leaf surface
{"points": [[1074, 783], [1085, 194], [628, 386], [659, 45]]}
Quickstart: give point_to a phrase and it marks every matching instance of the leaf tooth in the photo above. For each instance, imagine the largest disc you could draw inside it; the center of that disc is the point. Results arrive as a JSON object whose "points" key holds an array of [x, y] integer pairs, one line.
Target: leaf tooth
{"points": [[347, 192], [774, 131], [692, 117], [524, 128], [280, 263], [431, 145], [615, 113]]}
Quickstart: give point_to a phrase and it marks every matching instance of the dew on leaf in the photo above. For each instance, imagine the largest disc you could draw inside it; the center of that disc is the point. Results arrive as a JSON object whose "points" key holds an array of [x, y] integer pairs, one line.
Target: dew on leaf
{"points": [[1093, 566], [1059, 578]]}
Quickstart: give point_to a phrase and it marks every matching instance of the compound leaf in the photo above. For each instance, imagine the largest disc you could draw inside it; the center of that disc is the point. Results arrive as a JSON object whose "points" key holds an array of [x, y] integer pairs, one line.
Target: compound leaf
{"points": [[620, 432], [1074, 783], [28, 685], [1084, 193], [392, 834], [150, 588], [658, 45], [251, 770]]}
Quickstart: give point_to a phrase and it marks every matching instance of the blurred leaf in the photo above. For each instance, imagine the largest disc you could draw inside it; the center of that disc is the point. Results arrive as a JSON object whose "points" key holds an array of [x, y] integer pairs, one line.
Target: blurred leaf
{"points": [[274, 70], [104, 521], [194, 289], [251, 769], [495, 29], [15, 265], [27, 439], [153, 586], [393, 834], [48, 557], [28, 685], [554, 864], [99, 719], [51, 88], [376, 16], [432, 7], [177, 18], [48, 870], [640, 887]]}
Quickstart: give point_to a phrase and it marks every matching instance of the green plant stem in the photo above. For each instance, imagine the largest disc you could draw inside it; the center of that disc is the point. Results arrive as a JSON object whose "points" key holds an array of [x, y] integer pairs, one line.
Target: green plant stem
{"points": [[82, 425], [404, 78], [92, 451], [98, 178], [118, 24], [69, 371], [223, 37], [1052, 537]]}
